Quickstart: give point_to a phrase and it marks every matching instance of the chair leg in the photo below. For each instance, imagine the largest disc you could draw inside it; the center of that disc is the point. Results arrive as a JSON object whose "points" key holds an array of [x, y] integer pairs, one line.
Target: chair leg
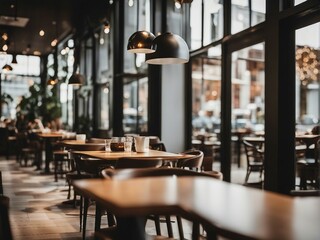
{"points": [[55, 169], [85, 214], [157, 224], [247, 176], [69, 190], [80, 212], [180, 227], [195, 231], [169, 226]]}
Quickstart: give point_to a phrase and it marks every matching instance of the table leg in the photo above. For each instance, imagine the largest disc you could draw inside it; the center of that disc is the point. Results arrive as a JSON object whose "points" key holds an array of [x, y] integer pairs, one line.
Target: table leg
{"points": [[131, 228], [48, 149], [239, 151]]}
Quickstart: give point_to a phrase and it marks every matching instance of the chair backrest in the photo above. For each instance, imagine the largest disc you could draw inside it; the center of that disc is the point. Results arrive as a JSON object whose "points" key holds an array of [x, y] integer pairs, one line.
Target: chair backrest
{"points": [[86, 147], [122, 174], [253, 154], [96, 140], [194, 162], [5, 227], [135, 162], [79, 164], [158, 146], [89, 165], [153, 139]]}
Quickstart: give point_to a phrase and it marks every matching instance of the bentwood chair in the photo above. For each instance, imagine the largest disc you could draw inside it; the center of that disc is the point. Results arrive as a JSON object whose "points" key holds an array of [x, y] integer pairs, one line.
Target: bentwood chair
{"points": [[309, 170], [5, 227], [123, 174], [130, 163], [255, 159], [82, 169], [192, 163]]}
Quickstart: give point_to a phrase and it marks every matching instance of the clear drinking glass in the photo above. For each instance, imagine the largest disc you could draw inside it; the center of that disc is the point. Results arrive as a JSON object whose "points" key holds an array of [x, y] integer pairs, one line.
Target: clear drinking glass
{"points": [[127, 146], [107, 144]]}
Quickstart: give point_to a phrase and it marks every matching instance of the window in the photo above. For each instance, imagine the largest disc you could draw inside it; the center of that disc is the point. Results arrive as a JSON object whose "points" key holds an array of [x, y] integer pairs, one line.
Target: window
{"points": [[135, 105], [244, 17], [206, 92], [137, 17], [212, 20], [248, 99], [17, 82], [307, 77]]}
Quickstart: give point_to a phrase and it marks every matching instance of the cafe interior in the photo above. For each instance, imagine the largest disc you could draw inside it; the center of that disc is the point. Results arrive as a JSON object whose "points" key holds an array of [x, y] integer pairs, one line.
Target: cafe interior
{"points": [[149, 119]]}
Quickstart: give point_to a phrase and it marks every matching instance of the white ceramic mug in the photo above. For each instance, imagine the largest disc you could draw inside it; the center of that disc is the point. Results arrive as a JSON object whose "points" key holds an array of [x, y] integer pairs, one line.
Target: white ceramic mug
{"points": [[141, 144], [81, 137]]}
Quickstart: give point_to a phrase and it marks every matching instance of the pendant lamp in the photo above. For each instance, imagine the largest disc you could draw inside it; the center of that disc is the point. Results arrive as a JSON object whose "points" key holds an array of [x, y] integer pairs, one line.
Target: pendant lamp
{"points": [[7, 68], [76, 79], [52, 81], [141, 42], [170, 49]]}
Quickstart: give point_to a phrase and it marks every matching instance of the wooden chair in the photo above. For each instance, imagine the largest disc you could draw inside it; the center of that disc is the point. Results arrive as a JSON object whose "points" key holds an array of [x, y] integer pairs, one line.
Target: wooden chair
{"points": [[192, 163], [61, 160], [81, 170], [27, 149], [309, 170], [124, 174], [132, 163], [159, 146], [136, 162], [255, 159], [5, 227]]}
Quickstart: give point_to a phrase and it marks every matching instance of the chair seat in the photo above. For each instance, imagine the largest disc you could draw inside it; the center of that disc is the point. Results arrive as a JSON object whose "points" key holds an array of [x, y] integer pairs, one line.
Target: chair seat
{"points": [[60, 152], [76, 176], [28, 150]]}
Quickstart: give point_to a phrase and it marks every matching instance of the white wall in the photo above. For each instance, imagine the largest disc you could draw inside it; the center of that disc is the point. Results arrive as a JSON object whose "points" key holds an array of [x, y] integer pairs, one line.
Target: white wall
{"points": [[173, 107]]}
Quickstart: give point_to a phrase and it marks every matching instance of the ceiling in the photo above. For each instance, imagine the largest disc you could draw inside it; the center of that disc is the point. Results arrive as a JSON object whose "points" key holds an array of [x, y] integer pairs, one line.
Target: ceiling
{"points": [[22, 21]]}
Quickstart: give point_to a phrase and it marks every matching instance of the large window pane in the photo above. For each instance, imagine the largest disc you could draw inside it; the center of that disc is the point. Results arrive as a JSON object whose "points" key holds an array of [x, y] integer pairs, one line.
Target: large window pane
{"points": [[195, 24], [104, 96], [16, 83], [206, 95], [213, 21], [258, 11], [307, 99], [240, 15], [248, 103], [137, 17], [135, 105]]}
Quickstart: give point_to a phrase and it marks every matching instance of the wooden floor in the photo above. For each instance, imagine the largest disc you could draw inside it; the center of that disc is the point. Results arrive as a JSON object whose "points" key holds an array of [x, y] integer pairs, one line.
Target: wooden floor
{"points": [[38, 211]]}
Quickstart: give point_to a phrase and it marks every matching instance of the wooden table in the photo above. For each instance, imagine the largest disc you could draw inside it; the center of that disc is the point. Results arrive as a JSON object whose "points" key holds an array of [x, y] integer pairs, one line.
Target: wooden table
{"points": [[116, 155], [309, 139], [48, 137], [231, 210]]}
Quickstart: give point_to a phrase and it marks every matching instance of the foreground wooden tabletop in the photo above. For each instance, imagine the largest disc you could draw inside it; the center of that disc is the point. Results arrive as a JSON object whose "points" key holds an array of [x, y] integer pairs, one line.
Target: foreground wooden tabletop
{"points": [[232, 210], [116, 155]]}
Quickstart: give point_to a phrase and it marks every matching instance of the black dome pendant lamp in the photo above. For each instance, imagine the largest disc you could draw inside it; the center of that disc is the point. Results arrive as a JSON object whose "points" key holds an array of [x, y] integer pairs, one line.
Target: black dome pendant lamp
{"points": [[76, 79], [170, 49], [141, 42]]}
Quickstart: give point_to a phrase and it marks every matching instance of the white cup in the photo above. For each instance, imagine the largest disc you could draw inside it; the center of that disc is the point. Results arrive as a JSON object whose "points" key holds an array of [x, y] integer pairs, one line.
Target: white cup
{"points": [[81, 137], [141, 144]]}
